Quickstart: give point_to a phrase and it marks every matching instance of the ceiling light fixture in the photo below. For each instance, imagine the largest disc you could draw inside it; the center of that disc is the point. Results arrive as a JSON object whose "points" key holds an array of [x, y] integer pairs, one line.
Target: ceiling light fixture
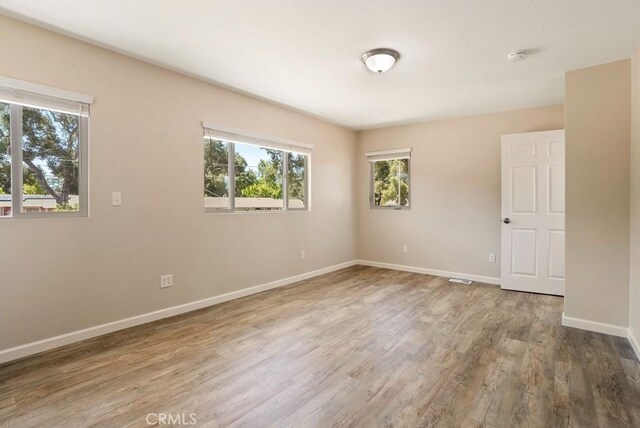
{"points": [[380, 60]]}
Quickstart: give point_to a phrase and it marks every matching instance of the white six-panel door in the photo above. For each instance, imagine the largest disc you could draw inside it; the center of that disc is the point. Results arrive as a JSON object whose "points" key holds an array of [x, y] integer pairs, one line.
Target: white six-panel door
{"points": [[533, 212]]}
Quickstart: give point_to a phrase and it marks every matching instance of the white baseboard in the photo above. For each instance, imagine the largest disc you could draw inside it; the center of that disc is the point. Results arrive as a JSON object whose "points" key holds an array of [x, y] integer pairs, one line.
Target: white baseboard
{"points": [[598, 327], [446, 274], [99, 330], [634, 343], [87, 333]]}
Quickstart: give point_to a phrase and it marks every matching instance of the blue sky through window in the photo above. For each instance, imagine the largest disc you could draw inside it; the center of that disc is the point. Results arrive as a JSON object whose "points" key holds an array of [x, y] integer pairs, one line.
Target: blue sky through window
{"points": [[252, 154]]}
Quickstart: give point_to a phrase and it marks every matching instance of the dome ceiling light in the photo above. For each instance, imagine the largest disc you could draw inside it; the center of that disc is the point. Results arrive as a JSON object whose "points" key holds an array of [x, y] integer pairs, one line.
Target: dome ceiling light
{"points": [[380, 60]]}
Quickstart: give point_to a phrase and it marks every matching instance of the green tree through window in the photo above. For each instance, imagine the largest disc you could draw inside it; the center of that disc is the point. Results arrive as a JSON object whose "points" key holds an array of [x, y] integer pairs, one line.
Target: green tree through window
{"points": [[50, 151], [50, 155], [269, 178], [5, 152], [216, 168], [391, 182], [296, 181], [258, 177]]}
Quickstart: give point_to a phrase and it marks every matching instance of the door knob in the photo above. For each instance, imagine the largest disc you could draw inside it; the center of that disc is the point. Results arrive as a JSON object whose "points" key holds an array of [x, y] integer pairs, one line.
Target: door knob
{"points": [[507, 220]]}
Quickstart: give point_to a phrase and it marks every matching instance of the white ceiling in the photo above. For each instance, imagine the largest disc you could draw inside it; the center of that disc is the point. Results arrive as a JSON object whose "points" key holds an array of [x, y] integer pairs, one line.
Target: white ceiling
{"points": [[306, 54]]}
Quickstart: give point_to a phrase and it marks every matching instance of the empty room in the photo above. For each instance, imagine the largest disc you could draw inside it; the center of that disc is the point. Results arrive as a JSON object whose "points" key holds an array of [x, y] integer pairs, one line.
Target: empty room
{"points": [[296, 213]]}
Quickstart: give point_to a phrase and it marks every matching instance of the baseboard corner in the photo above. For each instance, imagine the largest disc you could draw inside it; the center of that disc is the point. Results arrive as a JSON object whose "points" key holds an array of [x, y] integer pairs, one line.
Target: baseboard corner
{"points": [[434, 272], [634, 342], [595, 326]]}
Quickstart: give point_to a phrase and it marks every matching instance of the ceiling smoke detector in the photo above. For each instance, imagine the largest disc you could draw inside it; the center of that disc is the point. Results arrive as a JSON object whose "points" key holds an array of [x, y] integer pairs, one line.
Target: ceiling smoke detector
{"points": [[517, 56]]}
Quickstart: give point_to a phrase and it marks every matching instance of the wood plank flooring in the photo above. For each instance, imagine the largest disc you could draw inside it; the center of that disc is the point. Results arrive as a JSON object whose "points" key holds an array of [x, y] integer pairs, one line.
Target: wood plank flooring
{"points": [[358, 347]]}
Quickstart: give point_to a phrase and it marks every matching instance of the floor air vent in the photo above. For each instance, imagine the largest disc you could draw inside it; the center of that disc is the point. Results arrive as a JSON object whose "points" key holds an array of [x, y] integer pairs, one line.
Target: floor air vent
{"points": [[460, 281]]}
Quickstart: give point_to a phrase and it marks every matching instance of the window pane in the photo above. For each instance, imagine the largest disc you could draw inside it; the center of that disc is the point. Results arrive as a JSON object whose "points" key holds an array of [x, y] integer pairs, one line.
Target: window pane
{"points": [[216, 174], [258, 178], [391, 183], [50, 153], [295, 180], [5, 161]]}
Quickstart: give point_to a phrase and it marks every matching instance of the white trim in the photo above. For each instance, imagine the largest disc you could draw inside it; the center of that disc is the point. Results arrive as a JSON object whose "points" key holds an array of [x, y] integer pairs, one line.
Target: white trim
{"points": [[241, 136], [386, 155], [435, 272], [21, 85], [99, 330], [530, 134], [388, 152], [598, 327], [634, 343], [21, 351]]}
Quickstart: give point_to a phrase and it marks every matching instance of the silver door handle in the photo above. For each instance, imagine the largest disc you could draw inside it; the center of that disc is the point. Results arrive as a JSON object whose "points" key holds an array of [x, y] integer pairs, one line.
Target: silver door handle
{"points": [[506, 220]]}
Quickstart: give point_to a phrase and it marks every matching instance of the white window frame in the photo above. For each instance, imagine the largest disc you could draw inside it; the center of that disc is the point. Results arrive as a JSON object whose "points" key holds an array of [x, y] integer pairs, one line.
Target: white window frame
{"points": [[233, 136], [18, 94], [386, 155]]}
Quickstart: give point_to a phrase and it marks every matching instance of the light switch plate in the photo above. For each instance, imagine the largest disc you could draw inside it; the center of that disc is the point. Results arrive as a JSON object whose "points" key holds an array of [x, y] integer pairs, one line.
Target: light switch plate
{"points": [[116, 199]]}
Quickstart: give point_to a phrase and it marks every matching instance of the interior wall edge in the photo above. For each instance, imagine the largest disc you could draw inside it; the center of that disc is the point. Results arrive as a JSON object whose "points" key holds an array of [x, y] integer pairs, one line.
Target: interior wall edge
{"points": [[597, 222], [634, 268]]}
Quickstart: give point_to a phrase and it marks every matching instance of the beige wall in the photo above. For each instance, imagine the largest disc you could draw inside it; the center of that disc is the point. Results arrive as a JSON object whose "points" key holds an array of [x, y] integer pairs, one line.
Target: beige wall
{"points": [[453, 224], [60, 275], [597, 123], [634, 306]]}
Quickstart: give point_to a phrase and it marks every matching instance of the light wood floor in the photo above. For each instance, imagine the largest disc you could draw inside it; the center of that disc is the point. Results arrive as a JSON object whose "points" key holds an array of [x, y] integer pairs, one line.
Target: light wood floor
{"points": [[358, 347]]}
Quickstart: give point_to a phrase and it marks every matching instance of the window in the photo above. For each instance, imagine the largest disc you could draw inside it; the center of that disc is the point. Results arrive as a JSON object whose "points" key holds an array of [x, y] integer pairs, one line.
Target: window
{"points": [[390, 178], [259, 180], [249, 173], [5, 162], [43, 151], [296, 182], [216, 173]]}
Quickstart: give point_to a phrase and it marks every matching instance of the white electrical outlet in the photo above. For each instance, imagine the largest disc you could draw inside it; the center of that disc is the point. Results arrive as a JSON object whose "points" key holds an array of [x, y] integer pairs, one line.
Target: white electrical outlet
{"points": [[116, 199], [492, 257], [166, 281], [303, 255], [405, 249]]}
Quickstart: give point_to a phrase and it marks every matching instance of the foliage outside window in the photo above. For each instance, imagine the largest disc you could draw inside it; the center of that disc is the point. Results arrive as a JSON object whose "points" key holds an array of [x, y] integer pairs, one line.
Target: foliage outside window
{"points": [[46, 146], [390, 183], [5, 162], [296, 184], [258, 178]]}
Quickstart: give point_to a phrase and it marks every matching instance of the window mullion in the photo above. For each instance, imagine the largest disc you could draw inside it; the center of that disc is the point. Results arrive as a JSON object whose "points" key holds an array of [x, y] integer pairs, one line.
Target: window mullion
{"points": [[372, 200], [83, 166], [306, 201], [232, 176], [15, 125], [409, 182], [399, 188], [285, 180]]}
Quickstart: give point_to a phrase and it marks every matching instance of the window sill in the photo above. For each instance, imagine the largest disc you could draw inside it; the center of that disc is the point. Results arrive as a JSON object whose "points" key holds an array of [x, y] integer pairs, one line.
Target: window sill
{"points": [[389, 208], [44, 216], [222, 212]]}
